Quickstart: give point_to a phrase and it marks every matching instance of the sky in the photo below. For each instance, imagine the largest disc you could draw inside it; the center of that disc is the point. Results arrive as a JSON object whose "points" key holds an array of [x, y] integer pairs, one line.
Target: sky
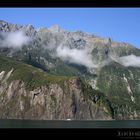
{"points": [[120, 24]]}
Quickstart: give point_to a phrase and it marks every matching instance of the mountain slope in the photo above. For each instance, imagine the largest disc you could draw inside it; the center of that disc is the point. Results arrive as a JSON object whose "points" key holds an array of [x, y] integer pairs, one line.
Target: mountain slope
{"points": [[29, 93], [63, 74], [122, 87]]}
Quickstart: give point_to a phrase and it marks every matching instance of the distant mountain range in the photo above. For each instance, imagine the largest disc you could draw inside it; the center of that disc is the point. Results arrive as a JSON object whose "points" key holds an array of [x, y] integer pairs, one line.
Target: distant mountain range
{"points": [[50, 73]]}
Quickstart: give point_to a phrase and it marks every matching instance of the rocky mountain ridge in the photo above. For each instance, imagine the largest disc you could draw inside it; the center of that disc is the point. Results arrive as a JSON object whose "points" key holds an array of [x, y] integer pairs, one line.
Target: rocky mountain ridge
{"points": [[56, 74]]}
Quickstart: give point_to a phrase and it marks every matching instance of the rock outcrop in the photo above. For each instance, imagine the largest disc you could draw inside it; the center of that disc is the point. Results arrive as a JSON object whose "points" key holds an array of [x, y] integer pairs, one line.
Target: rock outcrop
{"points": [[67, 100]]}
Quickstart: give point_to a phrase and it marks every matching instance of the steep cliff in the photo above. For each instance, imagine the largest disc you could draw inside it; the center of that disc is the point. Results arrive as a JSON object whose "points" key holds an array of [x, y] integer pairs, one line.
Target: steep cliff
{"points": [[29, 93]]}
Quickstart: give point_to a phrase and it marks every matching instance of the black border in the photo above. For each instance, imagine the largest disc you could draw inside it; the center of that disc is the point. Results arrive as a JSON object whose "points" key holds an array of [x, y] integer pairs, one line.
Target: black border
{"points": [[70, 133], [70, 3]]}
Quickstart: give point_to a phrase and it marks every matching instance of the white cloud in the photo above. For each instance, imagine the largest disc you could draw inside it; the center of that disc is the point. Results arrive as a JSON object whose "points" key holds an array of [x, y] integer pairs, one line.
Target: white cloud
{"points": [[130, 60], [77, 56], [83, 57], [14, 39]]}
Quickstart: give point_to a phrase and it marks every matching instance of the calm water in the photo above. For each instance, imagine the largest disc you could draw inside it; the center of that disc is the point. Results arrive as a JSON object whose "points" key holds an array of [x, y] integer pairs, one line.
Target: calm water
{"points": [[68, 124]]}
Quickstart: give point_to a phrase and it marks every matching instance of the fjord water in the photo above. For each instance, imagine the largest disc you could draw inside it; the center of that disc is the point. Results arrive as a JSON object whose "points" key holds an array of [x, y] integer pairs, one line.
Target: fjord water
{"points": [[68, 124]]}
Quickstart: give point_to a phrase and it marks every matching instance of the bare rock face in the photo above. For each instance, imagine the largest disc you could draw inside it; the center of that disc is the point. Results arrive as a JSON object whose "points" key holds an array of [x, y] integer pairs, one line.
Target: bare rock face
{"points": [[56, 29], [8, 27], [52, 101]]}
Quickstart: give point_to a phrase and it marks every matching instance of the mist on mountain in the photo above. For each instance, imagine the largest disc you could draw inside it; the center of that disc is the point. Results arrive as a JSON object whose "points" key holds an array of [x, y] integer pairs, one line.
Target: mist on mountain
{"points": [[14, 39]]}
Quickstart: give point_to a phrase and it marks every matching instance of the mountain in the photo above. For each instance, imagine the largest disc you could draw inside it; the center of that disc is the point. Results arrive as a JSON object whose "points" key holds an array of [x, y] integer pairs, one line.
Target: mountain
{"points": [[50, 73], [27, 92]]}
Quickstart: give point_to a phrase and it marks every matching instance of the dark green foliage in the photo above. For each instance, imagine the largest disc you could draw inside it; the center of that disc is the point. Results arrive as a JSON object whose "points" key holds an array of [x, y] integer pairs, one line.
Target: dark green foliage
{"points": [[97, 97], [112, 81], [32, 77], [62, 69]]}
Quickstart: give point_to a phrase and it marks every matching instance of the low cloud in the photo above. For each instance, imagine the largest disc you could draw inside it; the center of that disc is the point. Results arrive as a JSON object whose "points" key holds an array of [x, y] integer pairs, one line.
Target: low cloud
{"points": [[83, 57], [76, 56], [130, 60], [72, 55], [14, 39]]}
